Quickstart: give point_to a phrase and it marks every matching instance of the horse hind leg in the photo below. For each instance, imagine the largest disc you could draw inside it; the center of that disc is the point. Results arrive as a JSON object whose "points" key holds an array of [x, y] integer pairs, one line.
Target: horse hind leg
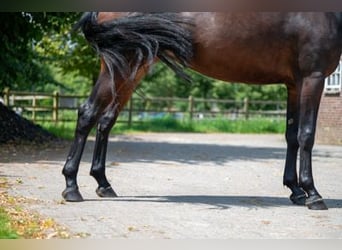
{"points": [[86, 120], [290, 178], [310, 95], [123, 92], [105, 124], [88, 116]]}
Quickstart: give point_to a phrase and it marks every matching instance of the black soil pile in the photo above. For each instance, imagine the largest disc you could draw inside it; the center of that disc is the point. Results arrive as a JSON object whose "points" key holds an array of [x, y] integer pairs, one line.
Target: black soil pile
{"points": [[14, 128]]}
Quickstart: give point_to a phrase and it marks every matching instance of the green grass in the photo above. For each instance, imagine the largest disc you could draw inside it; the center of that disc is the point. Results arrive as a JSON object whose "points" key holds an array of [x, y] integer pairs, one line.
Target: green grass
{"points": [[169, 124], [5, 230], [63, 130], [258, 126], [205, 126]]}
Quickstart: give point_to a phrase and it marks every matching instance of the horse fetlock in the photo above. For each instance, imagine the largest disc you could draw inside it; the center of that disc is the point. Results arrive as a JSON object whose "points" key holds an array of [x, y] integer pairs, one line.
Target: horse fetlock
{"points": [[97, 171], [298, 199], [69, 170], [290, 182], [106, 192]]}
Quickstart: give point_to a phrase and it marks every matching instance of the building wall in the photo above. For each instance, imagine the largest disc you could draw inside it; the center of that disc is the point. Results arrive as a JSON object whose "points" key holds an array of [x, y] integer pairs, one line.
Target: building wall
{"points": [[329, 124]]}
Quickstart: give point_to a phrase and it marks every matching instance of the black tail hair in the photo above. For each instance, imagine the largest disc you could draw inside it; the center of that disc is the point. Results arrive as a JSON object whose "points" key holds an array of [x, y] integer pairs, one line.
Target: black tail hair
{"points": [[128, 42]]}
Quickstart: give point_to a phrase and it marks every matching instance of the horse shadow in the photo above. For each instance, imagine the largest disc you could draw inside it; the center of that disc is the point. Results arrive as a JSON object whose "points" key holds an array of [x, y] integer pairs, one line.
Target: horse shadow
{"points": [[189, 153], [216, 202]]}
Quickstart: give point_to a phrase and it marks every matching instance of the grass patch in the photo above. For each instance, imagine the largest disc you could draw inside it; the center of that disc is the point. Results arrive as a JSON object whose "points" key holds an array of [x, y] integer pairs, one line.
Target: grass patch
{"points": [[166, 124], [6, 232], [63, 130], [255, 126], [169, 124]]}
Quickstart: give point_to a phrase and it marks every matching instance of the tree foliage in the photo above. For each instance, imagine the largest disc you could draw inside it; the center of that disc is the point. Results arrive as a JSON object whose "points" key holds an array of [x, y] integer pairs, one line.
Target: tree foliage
{"points": [[37, 45], [17, 60]]}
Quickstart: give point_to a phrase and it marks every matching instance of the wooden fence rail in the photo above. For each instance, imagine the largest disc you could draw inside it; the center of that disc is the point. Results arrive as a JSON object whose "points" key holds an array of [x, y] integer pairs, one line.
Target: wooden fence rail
{"points": [[58, 107]]}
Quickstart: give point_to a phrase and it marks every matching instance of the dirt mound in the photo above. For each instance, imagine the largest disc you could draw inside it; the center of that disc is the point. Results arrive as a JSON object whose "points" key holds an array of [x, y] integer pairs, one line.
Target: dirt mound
{"points": [[14, 128]]}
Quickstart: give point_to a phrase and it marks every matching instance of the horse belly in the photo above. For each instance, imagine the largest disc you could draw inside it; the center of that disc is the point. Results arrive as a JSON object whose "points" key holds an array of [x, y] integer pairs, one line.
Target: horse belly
{"points": [[236, 65]]}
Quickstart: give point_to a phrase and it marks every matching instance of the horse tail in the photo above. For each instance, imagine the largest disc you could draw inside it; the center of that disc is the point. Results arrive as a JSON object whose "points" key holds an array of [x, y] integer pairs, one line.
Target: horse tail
{"points": [[129, 42]]}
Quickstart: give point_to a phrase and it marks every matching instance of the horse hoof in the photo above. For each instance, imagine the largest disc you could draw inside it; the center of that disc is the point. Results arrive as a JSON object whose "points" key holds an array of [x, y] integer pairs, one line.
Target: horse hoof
{"points": [[106, 192], [72, 194], [316, 203], [298, 199]]}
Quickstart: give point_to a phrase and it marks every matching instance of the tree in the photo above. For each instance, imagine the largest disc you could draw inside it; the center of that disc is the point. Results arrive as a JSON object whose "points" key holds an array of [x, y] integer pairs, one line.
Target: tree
{"points": [[17, 60], [67, 49], [34, 43]]}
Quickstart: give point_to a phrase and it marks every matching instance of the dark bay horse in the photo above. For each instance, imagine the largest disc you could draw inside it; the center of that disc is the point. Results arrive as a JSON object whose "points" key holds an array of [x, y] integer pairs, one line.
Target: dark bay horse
{"points": [[297, 49]]}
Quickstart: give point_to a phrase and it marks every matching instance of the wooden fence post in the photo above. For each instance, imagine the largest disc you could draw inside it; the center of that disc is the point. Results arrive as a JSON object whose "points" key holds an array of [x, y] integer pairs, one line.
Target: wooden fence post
{"points": [[245, 107], [55, 106], [34, 108], [6, 96], [191, 107]]}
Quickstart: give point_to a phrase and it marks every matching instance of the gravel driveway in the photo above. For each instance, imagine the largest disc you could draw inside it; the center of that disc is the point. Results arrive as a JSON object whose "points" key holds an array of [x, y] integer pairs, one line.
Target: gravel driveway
{"points": [[208, 186]]}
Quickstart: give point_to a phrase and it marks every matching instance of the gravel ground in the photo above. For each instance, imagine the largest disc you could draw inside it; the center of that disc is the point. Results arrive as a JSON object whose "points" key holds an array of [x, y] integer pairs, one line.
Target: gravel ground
{"points": [[181, 186]]}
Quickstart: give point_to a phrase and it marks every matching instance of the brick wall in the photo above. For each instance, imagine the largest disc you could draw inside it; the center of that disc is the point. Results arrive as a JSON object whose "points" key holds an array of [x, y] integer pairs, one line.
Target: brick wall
{"points": [[329, 124]]}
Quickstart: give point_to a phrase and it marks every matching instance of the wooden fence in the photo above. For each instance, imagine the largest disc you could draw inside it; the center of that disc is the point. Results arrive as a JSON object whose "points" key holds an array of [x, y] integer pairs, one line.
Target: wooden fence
{"points": [[58, 107]]}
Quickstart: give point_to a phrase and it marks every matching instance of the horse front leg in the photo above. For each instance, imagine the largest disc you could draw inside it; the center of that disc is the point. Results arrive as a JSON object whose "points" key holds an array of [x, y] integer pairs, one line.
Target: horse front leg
{"points": [[310, 96], [290, 178]]}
